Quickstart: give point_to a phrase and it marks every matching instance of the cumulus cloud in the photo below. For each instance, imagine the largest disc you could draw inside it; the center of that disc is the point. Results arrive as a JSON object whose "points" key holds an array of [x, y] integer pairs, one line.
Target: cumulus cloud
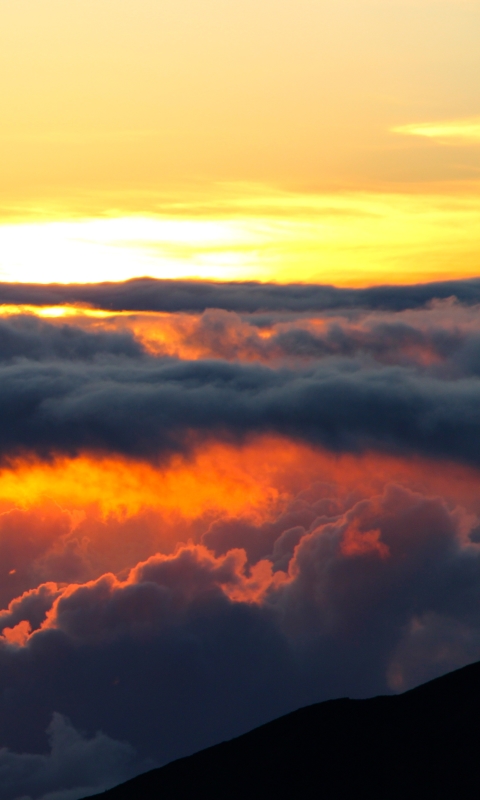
{"points": [[192, 648], [30, 607]]}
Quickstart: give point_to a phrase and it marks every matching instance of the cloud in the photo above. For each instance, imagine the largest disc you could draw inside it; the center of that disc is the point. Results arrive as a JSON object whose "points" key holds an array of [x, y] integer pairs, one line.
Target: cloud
{"points": [[25, 336], [148, 294], [31, 607], [152, 409], [446, 333], [192, 648], [444, 337], [457, 130], [77, 766]]}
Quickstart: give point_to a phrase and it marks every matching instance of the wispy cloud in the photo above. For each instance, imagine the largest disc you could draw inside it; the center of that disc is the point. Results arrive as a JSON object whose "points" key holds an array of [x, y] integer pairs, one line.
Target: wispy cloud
{"points": [[467, 130]]}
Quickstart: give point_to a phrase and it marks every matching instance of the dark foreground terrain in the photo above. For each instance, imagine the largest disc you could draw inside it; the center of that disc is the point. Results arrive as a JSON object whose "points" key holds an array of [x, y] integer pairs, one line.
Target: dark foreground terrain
{"points": [[421, 744]]}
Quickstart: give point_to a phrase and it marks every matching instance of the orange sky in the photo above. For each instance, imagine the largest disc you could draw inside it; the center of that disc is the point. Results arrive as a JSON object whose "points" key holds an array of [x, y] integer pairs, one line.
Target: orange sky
{"points": [[324, 140]]}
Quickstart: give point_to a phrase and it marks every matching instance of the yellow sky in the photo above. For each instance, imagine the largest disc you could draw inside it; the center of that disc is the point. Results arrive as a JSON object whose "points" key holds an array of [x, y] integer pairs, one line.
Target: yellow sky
{"points": [[329, 140]]}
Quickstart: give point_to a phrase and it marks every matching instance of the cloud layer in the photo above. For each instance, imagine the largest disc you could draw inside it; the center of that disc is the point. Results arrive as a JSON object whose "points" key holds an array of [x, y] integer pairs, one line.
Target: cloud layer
{"points": [[148, 294], [153, 409], [208, 519]]}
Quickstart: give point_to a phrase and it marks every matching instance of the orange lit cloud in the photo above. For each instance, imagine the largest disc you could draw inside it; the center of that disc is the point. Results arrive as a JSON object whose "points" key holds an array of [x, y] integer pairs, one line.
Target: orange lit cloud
{"points": [[72, 519], [284, 556], [357, 542], [424, 336], [19, 634], [251, 480], [217, 479]]}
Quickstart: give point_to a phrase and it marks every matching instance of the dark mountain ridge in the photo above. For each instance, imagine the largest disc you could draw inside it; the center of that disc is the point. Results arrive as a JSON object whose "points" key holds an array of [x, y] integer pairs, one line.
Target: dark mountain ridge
{"points": [[423, 743]]}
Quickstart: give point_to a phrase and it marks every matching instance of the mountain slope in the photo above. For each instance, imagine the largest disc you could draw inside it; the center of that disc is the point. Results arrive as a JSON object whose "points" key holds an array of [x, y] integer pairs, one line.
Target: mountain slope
{"points": [[424, 743]]}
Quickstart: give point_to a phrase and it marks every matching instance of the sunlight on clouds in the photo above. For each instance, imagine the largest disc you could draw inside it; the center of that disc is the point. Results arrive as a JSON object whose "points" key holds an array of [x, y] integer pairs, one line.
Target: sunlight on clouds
{"points": [[459, 129], [355, 238]]}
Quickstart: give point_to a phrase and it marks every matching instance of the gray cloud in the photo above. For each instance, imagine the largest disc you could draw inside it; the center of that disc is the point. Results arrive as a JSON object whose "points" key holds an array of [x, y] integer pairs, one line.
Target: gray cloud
{"points": [[23, 336], [148, 294], [75, 767], [153, 408]]}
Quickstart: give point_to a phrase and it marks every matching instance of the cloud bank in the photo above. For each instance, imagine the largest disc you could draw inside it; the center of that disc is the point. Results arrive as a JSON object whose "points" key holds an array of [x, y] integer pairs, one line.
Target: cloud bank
{"points": [[148, 294], [154, 409]]}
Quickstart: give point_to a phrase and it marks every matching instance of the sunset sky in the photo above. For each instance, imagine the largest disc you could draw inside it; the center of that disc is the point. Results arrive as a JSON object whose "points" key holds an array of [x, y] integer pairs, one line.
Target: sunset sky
{"points": [[324, 140], [239, 369]]}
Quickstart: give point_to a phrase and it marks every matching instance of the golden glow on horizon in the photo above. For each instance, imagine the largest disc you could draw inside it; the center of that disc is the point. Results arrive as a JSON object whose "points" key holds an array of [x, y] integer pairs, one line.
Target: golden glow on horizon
{"points": [[354, 238]]}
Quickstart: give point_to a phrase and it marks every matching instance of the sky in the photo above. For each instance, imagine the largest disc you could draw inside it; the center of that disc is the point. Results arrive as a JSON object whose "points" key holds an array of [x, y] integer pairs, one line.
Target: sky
{"points": [[239, 370], [327, 140]]}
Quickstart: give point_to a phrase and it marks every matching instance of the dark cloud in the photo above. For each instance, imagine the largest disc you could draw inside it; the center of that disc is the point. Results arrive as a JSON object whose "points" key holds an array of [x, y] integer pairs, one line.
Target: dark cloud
{"points": [[154, 408], [148, 294], [75, 766], [24, 336], [180, 668], [179, 655], [388, 342]]}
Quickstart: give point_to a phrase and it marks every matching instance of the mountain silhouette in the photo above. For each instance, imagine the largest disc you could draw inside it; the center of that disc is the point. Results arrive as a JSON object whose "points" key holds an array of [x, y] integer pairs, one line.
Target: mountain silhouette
{"points": [[424, 743]]}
